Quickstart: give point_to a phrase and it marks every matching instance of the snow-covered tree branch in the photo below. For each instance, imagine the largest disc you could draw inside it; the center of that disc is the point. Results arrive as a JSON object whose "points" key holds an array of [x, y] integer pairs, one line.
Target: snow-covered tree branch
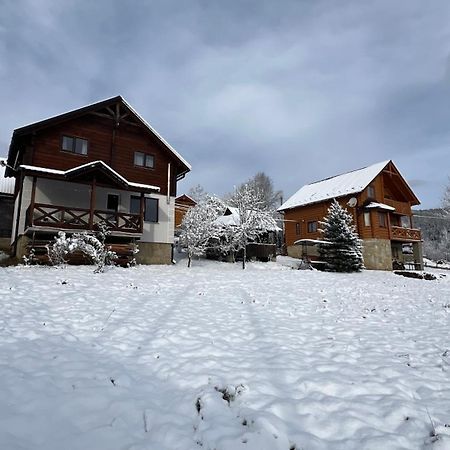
{"points": [[254, 218], [199, 226]]}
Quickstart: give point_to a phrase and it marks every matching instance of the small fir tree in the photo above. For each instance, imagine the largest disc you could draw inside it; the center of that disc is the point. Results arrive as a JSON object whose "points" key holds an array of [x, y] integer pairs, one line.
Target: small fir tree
{"points": [[344, 251]]}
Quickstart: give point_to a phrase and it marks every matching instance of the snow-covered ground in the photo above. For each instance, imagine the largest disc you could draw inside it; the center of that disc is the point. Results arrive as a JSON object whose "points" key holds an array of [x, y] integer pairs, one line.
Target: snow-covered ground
{"points": [[214, 357]]}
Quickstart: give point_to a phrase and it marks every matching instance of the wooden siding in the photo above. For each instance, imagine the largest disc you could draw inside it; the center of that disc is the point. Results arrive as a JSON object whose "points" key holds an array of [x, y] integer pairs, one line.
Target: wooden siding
{"points": [[182, 204], [114, 146]]}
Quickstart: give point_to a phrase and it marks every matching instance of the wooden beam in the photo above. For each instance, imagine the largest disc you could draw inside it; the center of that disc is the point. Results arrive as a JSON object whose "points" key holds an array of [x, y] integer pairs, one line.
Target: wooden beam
{"points": [[33, 198], [106, 116], [141, 211], [92, 203]]}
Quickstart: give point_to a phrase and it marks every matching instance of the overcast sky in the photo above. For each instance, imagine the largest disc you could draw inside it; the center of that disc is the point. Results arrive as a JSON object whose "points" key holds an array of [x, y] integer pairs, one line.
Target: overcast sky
{"points": [[301, 90]]}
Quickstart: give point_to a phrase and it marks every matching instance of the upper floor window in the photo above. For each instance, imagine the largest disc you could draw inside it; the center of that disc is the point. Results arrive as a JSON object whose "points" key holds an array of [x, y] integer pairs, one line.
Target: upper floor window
{"points": [[371, 191], [297, 228], [144, 160], [75, 145], [367, 219], [312, 227]]}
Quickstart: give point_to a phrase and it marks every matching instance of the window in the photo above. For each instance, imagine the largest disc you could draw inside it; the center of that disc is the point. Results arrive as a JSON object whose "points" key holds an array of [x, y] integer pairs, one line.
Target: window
{"points": [[135, 205], [151, 210], [312, 227], [143, 160], [371, 191], [75, 145], [112, 202], [382, 219], [367, 219], [405, 222], [297, 228]]}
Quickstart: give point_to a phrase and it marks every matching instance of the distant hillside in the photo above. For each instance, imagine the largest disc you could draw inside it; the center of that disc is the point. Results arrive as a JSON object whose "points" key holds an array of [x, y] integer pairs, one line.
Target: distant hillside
{"points": [[435, 226]]}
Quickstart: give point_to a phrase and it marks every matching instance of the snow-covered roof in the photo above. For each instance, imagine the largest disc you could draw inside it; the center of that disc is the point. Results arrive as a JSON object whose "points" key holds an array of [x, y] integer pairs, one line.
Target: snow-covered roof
{"points": [[375, 205], [337, 186], [233, 219], [312, 242], [88, 165], [6, 184]]}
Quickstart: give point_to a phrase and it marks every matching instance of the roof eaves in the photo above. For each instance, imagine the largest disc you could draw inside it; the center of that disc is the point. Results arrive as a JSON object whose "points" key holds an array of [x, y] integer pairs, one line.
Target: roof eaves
{"points": [[146, 124]]}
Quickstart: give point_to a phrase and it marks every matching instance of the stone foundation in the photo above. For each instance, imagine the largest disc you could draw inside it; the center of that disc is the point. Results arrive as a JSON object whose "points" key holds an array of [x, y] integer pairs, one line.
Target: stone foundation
{"points": [[154, 253], [21, 246], [377, 254], [5, 244]]}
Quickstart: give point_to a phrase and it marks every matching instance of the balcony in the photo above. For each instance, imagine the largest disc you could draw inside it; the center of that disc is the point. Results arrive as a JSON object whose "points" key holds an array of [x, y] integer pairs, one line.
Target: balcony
{"points": [[405, 234], [61, 217]]}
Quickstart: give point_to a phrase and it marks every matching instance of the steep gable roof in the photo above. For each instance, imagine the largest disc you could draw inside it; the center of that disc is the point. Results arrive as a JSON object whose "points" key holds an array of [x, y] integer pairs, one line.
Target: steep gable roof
{"points": [[107, 104], [338, 186]]}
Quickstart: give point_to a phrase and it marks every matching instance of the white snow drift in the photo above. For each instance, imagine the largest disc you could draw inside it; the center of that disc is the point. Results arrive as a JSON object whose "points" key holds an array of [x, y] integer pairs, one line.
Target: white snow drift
{"points": [[214, 357]]}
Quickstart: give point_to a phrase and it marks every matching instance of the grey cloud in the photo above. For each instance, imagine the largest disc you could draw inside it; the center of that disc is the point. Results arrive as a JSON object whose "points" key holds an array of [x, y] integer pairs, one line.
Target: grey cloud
{"points": [[301, 90]]}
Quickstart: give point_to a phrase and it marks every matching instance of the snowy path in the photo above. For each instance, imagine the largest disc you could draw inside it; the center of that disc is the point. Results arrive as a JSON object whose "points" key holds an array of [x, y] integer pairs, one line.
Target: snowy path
{"points": [[219, 358]]}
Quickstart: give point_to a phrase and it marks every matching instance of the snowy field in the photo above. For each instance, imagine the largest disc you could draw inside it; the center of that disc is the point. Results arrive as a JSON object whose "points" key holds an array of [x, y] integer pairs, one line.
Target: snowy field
{"points": [[214, 357]]}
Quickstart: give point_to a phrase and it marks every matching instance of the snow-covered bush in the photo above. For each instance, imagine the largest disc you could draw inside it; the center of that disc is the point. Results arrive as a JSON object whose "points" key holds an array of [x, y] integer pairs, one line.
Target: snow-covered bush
{"points": [[88, 244], [343, 253]]}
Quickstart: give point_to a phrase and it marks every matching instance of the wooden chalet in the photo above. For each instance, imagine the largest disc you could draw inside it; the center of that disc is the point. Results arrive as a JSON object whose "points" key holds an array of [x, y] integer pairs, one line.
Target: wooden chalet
{"points": [[100, 164], [380, 201], [183, 204]]}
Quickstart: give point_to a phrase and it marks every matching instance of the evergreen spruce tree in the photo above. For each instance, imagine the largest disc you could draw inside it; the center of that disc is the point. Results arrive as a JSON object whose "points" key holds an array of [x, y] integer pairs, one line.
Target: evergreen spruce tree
{"points": [[344, 251]]}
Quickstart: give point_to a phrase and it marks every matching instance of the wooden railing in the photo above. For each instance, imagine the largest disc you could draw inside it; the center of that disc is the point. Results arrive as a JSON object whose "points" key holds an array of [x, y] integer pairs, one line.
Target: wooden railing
{"points": [[405, 234], [55, 216]]}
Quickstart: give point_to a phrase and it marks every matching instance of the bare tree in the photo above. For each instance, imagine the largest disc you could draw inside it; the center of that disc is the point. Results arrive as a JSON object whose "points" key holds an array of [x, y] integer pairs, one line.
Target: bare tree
{"points": [[262, 184], [446, 198], [198, 193]]}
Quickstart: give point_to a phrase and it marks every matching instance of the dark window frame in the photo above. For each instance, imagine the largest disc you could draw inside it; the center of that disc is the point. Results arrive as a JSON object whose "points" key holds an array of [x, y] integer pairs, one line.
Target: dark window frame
{"points": [[108, 196], [382, 219], [156, 200], [146, 157], [297, 228], [134, 198], [74, 139], [312, 226]]}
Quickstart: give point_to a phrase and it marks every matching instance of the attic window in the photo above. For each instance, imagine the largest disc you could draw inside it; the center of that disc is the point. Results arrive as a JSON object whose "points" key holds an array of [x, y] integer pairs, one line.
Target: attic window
{"points": [[144, 160], [75, 145], [371, 191]]}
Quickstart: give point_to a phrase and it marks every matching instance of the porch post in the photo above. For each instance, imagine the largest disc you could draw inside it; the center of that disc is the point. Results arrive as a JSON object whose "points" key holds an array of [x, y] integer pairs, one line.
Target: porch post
{"points": [[33, 197], [141, 211], [92, 204]]}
